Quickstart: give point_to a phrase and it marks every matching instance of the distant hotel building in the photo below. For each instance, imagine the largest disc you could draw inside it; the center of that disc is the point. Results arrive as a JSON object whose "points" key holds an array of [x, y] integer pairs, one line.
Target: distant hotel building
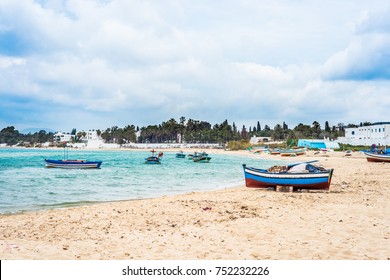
{"points": [[93, 140], [376, 133], [62, 137], [92, 135]]}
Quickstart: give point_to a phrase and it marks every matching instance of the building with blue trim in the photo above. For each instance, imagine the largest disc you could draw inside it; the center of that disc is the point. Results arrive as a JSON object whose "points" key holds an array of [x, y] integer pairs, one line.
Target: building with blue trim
{"points": [[318, 144]]}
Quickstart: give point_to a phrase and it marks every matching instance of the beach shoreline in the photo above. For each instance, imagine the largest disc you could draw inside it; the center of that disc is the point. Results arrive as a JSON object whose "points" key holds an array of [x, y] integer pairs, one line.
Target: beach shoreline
{"points": [[350, 221]]}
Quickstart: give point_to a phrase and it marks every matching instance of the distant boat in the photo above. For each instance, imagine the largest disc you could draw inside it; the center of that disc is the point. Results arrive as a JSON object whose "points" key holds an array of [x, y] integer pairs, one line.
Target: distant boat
{"points": [[299, 176], [154, 159], [201, 157], [180, 155], [292, 152], [377, 156], [274, 152], [71, 163], [348, 153]]}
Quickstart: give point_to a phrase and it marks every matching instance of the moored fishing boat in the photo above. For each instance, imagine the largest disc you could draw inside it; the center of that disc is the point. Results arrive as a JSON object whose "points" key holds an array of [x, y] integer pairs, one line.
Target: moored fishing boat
{"points": [[298, 176], [72, 163], [180, 155], [154, 159], [201, 157]]}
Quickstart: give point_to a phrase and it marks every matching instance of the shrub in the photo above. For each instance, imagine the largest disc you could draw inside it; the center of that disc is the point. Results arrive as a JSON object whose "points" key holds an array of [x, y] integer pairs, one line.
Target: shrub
{"points": [[238, 145]]}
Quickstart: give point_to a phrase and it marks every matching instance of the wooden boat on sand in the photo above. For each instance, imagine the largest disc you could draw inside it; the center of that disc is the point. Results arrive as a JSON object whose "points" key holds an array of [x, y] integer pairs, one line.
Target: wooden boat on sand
{"points": [[292, 152], [377, 157], [298, 176]]}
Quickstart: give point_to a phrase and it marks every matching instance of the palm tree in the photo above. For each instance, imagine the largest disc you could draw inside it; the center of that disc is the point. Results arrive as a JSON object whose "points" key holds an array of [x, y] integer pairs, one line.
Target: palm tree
{"points": [[129, 133], [316, 129]]}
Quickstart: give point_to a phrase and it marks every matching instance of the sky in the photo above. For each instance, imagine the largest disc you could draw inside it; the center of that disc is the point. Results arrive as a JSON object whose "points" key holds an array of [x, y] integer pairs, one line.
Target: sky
{"points": [[93, 64]]}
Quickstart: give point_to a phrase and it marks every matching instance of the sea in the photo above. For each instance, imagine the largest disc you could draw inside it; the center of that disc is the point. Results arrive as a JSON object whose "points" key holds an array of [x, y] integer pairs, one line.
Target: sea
{"points": [[27, 185]]}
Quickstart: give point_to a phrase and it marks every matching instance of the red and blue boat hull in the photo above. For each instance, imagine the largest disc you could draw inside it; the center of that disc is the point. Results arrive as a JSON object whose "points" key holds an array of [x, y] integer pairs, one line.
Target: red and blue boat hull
{"points": [[261, 178]]}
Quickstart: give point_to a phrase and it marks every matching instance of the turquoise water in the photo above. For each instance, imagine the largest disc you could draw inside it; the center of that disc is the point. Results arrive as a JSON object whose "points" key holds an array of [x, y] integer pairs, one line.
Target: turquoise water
{"points": [[26, 185]]}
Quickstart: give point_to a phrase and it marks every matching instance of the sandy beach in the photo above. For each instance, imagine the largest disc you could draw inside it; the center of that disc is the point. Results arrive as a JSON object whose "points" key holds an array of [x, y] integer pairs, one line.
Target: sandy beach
{"points": [[350, 221]]}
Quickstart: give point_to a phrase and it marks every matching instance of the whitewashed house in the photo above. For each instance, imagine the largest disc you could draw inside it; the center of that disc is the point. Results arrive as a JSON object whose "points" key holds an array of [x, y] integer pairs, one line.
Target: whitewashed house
{"points": [[62, 137], [376, 133], [93, 139], [255, 140]]}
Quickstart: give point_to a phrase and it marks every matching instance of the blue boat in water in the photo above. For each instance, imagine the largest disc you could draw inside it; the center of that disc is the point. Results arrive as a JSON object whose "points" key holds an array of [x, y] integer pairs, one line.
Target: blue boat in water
{"points": [[298, 176], [180, 155], [201, 157], [71, 163], [154, 159]]}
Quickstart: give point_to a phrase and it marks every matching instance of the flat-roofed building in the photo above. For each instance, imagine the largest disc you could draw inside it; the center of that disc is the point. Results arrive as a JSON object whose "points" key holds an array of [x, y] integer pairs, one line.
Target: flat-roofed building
{"points": [[377, 133]]}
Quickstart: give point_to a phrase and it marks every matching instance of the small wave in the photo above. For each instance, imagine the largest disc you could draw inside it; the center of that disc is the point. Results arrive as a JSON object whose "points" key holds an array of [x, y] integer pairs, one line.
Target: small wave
{"points": [[66, 204]]}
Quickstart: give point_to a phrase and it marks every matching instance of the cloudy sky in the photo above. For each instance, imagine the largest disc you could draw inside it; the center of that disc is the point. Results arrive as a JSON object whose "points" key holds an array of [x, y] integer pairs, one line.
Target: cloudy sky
{"points": [[90, 64]]}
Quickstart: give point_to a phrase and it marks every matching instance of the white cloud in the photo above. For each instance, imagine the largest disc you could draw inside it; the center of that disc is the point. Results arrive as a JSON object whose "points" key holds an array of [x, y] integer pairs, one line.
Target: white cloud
{"points": [[368, 55], [7, 62], [236, 60], [373, 21]]}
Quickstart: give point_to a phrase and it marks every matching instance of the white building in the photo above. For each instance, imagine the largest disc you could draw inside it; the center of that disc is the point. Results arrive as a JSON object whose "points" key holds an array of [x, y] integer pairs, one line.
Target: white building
{"points": [[92, 135], [62, 137], [256, 140], [376, 133], [93, 139]]}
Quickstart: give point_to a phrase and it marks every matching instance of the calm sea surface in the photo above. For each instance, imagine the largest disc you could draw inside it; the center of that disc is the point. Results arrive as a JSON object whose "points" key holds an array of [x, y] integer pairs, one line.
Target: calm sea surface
{"points": [[25, 183]]}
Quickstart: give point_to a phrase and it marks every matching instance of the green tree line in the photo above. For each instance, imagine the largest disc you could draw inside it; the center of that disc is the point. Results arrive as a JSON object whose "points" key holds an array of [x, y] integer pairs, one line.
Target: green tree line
{"points": [[188, 131], [10, 136]]}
